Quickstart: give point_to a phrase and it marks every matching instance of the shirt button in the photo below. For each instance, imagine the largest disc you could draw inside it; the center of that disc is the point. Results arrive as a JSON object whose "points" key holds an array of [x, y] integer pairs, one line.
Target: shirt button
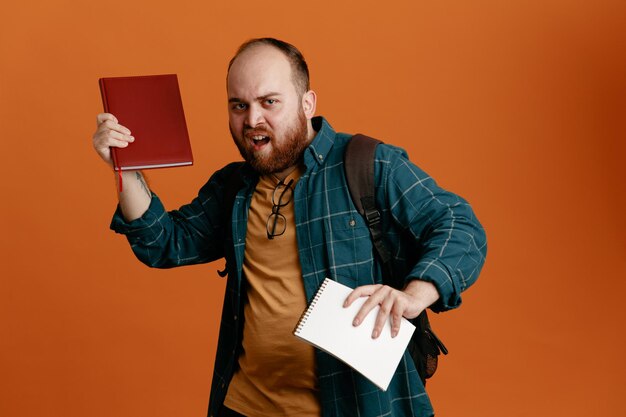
{"points": [[320, 156], [352, 223], [235, 317]]}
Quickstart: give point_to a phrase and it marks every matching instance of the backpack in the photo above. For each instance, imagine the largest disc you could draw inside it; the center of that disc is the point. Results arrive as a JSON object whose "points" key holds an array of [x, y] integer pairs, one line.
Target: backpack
{"points": [[424, 346]]}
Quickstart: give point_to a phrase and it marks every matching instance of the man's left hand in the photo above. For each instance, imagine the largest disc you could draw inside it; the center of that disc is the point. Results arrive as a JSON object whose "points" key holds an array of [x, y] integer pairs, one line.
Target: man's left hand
{"points": [[409, 303]]}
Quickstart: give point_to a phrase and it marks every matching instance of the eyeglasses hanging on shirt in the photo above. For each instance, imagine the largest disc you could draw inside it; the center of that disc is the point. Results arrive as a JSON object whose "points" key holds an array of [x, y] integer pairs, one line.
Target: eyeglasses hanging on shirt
{"points": [[276, 222]]}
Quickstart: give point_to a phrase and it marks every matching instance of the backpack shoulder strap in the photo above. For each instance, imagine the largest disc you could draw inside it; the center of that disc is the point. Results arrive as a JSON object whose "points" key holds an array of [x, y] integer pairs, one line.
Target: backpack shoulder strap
{"points": [[359, 168]]}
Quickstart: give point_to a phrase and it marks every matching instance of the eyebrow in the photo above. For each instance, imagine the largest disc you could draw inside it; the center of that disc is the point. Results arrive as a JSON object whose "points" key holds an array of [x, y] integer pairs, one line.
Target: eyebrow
{"points": [[260, 98]]}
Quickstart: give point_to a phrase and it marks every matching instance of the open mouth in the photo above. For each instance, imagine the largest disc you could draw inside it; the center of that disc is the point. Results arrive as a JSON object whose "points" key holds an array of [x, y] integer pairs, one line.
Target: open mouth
{"points": [[259, 141]]}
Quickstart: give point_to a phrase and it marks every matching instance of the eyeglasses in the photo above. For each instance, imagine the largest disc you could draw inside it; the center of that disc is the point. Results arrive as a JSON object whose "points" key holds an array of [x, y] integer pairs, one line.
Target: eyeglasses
{"points": [[276, 222]]}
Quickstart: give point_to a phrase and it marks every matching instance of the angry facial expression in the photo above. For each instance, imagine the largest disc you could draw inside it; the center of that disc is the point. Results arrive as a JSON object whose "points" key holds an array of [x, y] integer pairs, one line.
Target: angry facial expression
{"points": [[268, 118]]}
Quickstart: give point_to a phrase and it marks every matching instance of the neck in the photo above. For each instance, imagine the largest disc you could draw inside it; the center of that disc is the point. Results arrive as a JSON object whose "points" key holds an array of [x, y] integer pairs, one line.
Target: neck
{"points": [[280, 176]]}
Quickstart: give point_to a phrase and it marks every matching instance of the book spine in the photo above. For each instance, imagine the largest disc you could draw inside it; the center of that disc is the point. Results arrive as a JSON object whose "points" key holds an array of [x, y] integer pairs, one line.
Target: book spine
{"points": [[308, 311], [105, 104]]}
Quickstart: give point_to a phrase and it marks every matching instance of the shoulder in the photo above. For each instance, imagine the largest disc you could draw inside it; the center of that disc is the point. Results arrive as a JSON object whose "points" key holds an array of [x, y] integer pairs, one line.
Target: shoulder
{"points": [[383, 150], [227, 172], [391, 153], [230, 169], [389, 160], [392, 165], [228, 176]]}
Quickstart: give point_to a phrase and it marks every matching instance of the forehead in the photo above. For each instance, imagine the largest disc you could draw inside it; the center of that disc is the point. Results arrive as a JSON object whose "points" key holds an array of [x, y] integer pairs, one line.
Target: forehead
{"points": [[259, 70]]}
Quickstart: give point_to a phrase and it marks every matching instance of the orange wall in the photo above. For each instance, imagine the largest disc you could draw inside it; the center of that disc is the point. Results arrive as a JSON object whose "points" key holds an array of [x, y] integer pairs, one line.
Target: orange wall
{"points": [[519, 106]]}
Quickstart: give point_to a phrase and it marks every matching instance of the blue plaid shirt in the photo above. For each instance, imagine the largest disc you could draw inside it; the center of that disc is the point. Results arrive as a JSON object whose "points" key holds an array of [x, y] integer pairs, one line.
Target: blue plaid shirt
{"points": [[434, 234]]}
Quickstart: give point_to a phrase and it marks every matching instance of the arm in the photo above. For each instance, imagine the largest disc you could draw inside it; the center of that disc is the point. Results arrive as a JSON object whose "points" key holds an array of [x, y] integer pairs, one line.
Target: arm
{"points": [[450, 240], [190, 235], [135, 198]]}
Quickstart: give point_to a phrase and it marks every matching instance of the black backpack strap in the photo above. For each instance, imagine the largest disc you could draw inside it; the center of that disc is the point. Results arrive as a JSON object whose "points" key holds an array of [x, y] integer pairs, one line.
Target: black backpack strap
{"points": [[358, 158], [233, 184], [359, 167]]}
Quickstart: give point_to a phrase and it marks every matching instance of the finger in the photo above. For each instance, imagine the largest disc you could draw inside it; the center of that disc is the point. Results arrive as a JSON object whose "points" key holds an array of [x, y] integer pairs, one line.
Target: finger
{"points": [[116, 143], [375, 299], [114, 126], [396, 319], [362, 291], [121, 136], [111, 138], [102, 117], [105, 151], [103, 147], [383, 314]]}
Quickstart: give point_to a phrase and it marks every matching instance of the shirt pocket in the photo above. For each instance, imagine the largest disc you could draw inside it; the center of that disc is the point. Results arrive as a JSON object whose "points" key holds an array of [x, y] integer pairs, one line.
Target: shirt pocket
{"points": [[349, 249]]}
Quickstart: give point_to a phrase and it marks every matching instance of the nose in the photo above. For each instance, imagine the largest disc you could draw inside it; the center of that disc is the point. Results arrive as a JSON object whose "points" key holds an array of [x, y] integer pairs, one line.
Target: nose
{"points": [[254, 116]]}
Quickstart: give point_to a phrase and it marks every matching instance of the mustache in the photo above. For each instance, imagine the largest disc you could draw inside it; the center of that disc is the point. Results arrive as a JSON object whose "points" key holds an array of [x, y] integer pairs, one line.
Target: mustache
{"points": [[249, 132]]}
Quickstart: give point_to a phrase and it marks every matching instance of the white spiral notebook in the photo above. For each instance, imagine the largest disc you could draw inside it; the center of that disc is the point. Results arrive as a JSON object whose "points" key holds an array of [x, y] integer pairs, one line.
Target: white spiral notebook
{"points": [[327, 325]]}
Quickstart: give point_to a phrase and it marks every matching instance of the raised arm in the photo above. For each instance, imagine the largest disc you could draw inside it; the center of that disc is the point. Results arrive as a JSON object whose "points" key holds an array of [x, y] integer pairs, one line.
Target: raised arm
{"points": [[135, 197]]}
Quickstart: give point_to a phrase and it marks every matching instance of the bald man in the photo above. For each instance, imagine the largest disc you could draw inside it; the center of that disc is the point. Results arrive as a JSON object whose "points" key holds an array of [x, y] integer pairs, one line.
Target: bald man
{"points": [[293, 224]]}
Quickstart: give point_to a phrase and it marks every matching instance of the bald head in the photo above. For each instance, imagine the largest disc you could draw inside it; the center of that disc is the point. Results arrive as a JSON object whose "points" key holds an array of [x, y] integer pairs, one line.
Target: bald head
{"points": [[299, 68]]}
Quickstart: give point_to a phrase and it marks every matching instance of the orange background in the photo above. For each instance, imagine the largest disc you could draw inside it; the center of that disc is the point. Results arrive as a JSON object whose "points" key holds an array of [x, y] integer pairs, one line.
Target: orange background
{"points": [[519, 106]]}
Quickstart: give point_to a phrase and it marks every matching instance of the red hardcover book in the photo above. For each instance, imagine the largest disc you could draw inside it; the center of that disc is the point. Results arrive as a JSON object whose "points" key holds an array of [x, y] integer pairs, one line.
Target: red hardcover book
{"points": [[151, 107]]}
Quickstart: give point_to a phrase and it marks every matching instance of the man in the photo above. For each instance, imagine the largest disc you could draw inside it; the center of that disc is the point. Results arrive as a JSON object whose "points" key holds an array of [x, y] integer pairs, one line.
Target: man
{"points": [[292, 225]]}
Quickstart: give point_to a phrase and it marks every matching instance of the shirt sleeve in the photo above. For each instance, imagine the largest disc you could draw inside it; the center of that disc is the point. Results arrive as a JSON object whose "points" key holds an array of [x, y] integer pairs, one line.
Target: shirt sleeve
{"points": [[449, 238], [190, 235]]}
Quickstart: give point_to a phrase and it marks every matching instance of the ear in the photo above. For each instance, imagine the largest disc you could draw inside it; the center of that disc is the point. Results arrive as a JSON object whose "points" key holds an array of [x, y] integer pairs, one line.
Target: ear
{"points": [[309, 101]]}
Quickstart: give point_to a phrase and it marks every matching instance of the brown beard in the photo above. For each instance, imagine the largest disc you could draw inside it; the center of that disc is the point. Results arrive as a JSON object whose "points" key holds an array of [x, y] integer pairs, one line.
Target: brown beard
{"points": [[282, 157]]}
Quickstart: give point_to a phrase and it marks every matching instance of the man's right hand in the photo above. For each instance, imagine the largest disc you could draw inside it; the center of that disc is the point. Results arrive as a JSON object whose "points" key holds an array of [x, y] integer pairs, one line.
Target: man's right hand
{"points": [[110, 134], [135, 196]]}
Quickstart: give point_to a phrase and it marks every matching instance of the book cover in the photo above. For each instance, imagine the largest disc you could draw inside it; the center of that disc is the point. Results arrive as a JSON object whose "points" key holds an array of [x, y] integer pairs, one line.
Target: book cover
{"points": [[327, 325], [151, 107]]}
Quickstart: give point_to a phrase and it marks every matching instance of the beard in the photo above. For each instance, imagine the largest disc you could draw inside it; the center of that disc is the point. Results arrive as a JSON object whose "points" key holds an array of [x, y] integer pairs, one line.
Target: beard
{"points": [[285, 152]]}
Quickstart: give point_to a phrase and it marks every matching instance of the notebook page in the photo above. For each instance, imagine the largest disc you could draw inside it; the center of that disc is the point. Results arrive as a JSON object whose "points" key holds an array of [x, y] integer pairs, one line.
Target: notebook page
{"points": [[328, 326]]}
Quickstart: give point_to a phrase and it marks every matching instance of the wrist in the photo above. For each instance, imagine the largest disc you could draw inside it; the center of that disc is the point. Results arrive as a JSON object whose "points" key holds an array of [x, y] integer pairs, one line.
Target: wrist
{"points": [[424, 293]]}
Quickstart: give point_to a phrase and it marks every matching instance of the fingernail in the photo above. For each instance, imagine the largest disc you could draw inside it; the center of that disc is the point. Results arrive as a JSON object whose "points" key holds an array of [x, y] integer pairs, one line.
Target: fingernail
{"points": [[355, 322], [132, 138], [374, 334]]}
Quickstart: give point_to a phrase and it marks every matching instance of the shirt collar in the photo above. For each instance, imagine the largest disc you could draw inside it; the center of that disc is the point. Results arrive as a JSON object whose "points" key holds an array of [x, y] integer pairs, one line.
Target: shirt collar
{"points": [[321, 144]]}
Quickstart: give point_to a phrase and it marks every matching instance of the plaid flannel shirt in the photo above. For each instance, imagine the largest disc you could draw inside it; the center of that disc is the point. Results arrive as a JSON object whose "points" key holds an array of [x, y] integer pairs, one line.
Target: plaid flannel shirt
{"points": [[434, 235]]}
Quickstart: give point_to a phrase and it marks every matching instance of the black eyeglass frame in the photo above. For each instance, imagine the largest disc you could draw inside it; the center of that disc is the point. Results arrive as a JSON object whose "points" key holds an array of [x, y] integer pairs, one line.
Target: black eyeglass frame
{"points": [[275, 214]]}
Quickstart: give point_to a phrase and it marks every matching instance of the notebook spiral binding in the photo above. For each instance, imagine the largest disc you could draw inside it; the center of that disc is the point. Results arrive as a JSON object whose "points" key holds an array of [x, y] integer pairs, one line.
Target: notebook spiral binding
{"points": [[307, 312]]}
